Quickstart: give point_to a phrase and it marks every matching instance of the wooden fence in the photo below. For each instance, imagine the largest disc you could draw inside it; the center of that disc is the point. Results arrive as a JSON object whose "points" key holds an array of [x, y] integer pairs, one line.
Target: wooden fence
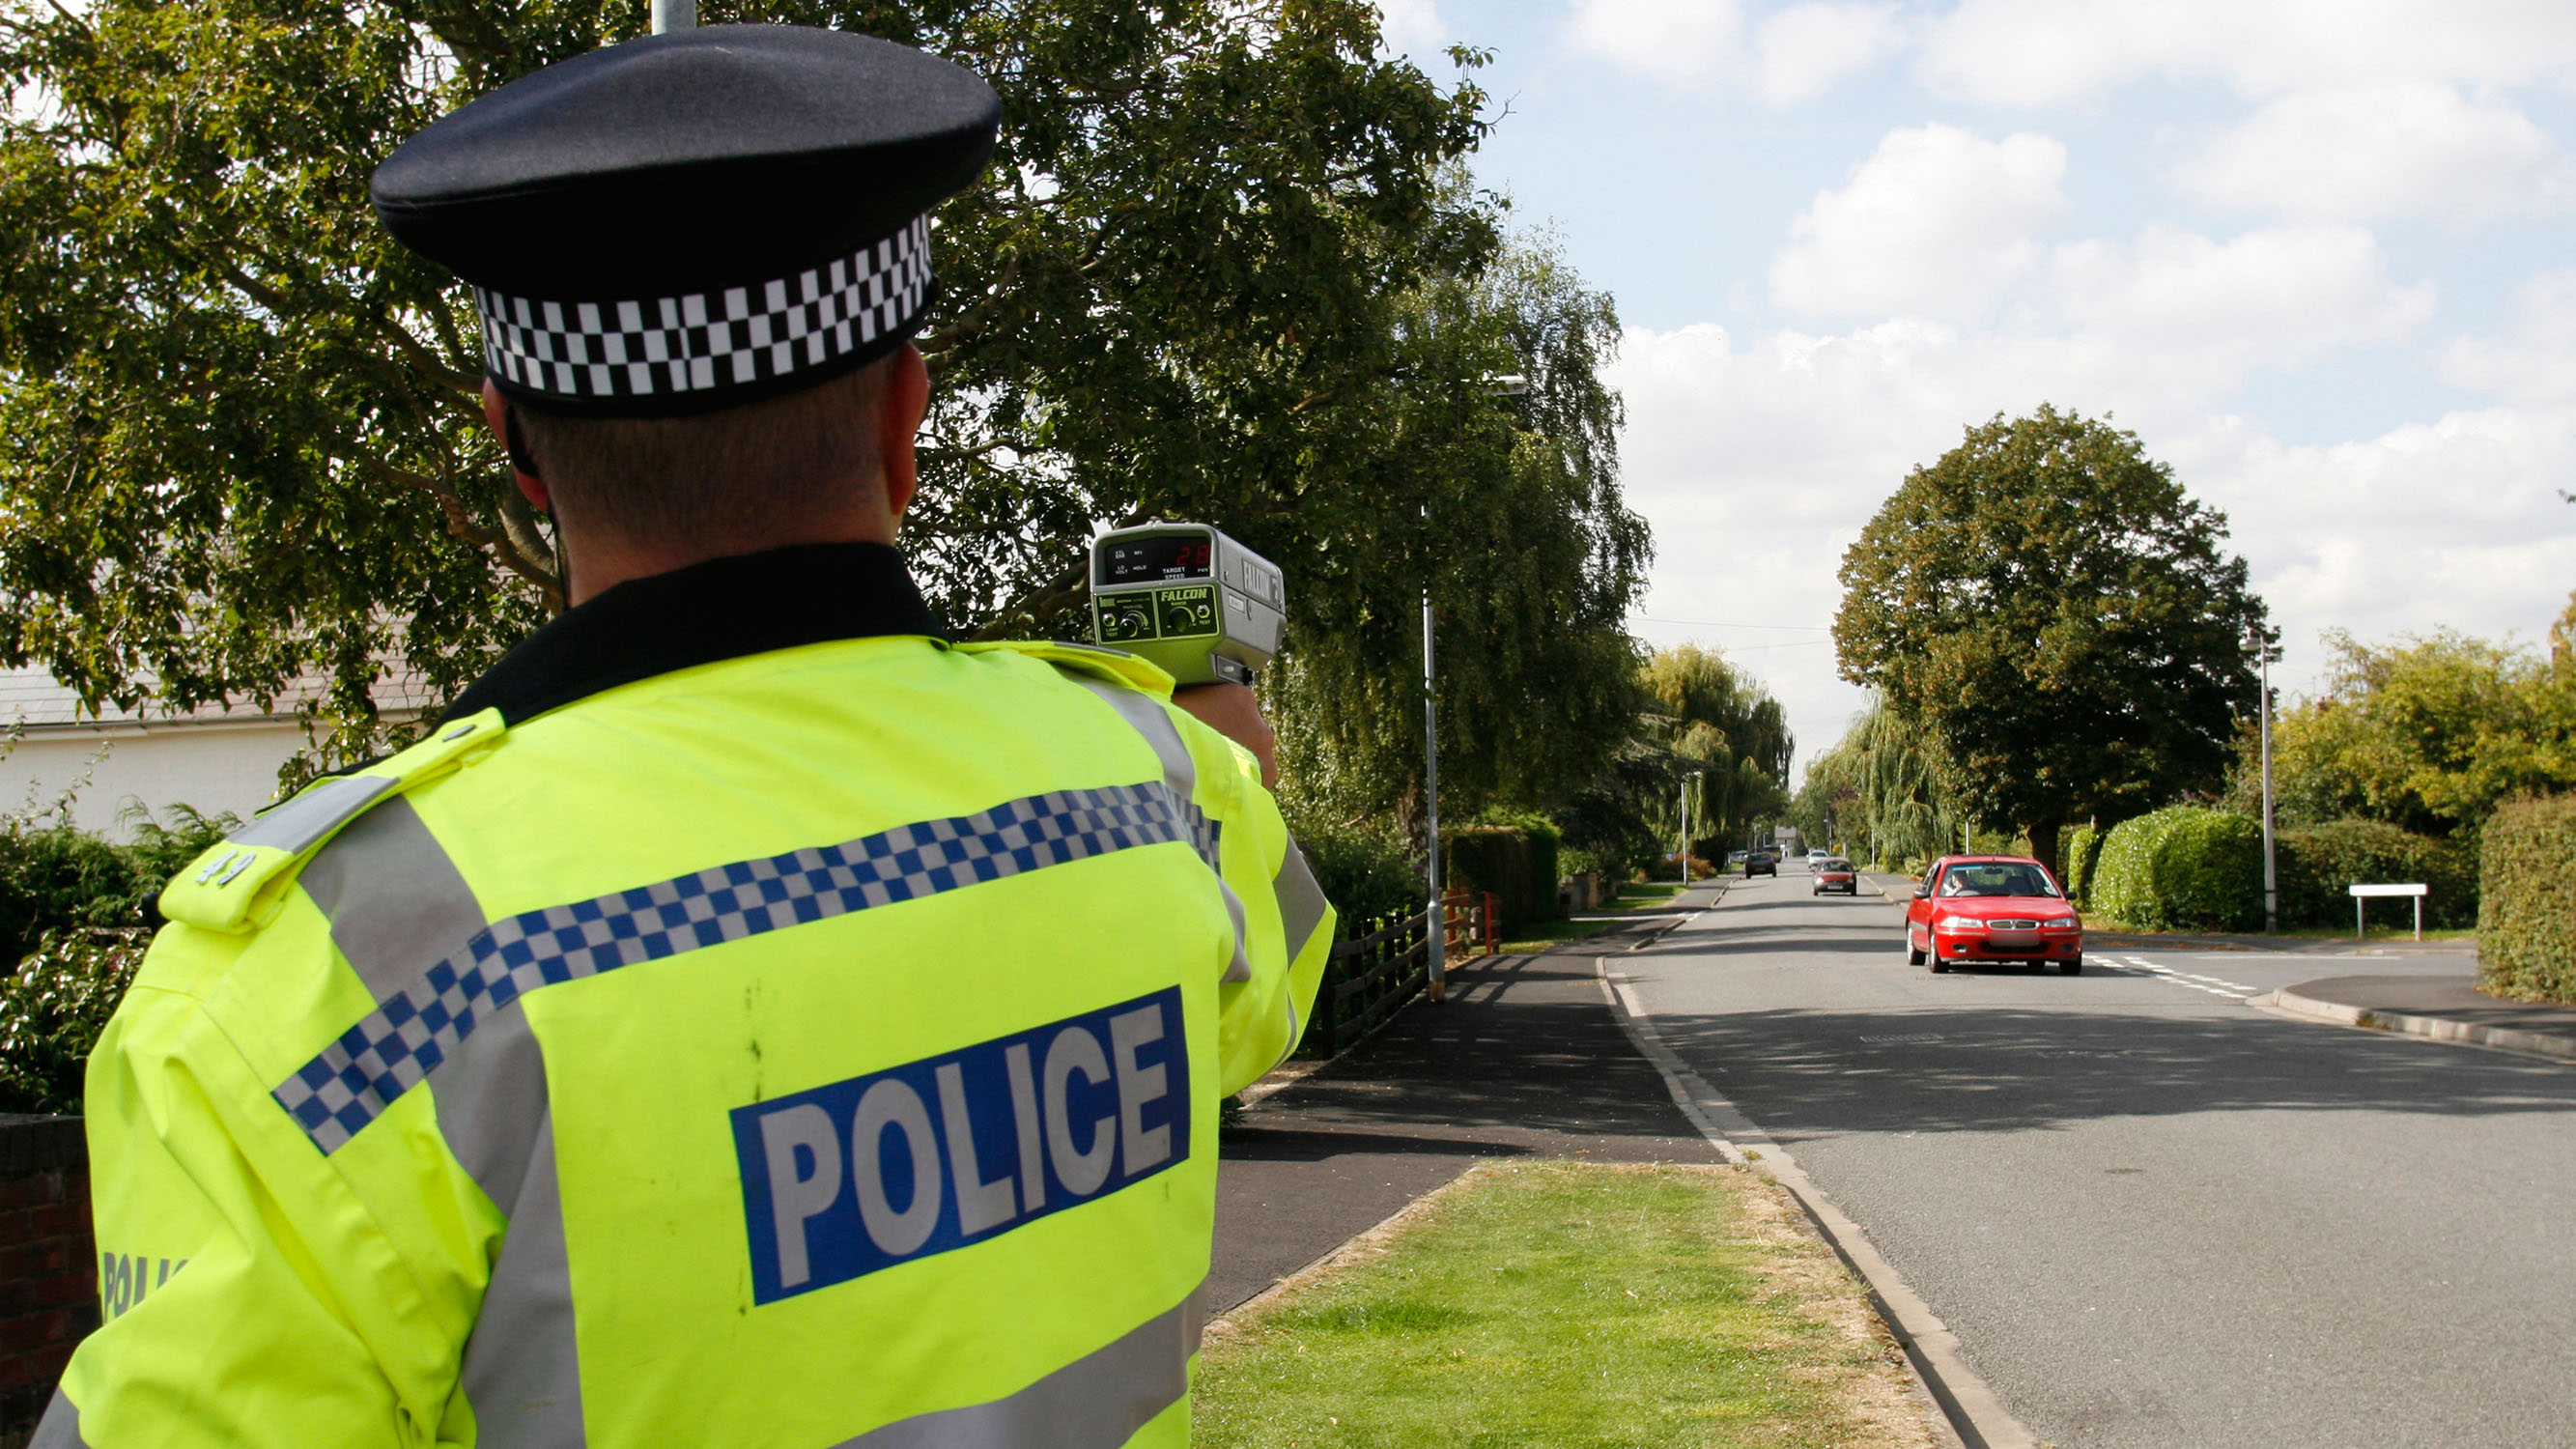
{"points": [[1376, 974]]}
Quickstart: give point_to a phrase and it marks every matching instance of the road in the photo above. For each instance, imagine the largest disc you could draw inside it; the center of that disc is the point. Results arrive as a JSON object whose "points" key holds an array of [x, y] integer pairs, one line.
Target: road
{"points": [[2157, 1217]]}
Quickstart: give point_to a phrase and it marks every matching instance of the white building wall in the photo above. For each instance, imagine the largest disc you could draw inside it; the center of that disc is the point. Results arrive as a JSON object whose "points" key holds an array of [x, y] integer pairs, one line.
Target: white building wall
{"points": [[111, 768]]}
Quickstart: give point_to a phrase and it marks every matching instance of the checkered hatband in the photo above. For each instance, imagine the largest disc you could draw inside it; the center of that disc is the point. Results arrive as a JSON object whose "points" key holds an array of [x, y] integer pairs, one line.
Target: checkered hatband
{"points": [[351, 1082], [705, 343]]}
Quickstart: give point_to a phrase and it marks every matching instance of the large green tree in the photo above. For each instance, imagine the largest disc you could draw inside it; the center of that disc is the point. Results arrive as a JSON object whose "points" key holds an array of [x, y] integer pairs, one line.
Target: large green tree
{"points": [[239, 439], [2063, 617]]}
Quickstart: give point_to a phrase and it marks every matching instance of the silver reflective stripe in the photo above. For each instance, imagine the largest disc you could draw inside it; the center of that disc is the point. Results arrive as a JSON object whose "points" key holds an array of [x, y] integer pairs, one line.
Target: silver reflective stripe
{"points": [[522, 1372], [1098, 1401], [60, 1428], [490, 1095], [1240, 968], [396, 903], [308, 817], [1301, 900], [1147, 717], [1181, 776]]}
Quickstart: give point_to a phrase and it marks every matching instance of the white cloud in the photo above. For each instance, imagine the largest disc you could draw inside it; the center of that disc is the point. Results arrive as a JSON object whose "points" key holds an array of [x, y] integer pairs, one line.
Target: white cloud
{"points": [[1805, 49], [1676, 40], [1936, 223], [2535, 360], [1758, 459], [1412, 27], [2360, 154], [2278, 297], [2044, 52]]}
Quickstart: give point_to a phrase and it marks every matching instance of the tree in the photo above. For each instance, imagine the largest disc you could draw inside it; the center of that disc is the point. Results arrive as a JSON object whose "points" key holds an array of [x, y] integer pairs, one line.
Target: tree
{"points": [[2053, 607], [1885, 784], [1696, 714], [239, 432], [1721, 724], [2429, 733], [1507, 511]]}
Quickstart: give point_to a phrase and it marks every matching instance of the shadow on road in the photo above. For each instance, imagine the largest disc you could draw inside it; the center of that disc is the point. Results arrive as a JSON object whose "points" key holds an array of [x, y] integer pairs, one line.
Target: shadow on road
{"points": [[1988, 1069]]}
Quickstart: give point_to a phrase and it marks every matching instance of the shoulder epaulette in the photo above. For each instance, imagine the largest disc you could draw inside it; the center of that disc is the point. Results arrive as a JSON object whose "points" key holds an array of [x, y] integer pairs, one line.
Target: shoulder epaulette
{"points": [[240, 882], [1115, 665]]}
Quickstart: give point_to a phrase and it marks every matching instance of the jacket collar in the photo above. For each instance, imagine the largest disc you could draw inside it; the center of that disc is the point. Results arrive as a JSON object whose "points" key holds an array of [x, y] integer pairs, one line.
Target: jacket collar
{"points": [[724, 608]]}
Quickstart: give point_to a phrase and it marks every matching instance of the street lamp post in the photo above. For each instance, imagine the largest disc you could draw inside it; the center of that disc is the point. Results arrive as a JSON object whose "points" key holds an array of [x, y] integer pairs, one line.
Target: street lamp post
{"points": [[1687, 781], [1437, 937], [2271, 877], [671, 15]]}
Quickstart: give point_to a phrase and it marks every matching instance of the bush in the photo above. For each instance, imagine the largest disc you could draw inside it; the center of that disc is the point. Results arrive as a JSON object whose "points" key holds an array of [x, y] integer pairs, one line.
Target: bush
{"points": [[2320, 863], [1506, 860], [52, 1009], [2182, 868], [1363, 872], [76, 912], [2083, 855], [2527, 900]]}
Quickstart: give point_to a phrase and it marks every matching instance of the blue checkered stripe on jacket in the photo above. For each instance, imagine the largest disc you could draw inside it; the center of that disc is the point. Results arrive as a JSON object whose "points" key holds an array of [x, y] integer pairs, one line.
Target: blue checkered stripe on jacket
{"points": [[396, 1046]]}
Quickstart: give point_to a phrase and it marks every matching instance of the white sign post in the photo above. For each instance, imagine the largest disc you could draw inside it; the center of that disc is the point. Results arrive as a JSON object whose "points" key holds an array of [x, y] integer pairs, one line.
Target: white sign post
{"points": [[2360, 892]]}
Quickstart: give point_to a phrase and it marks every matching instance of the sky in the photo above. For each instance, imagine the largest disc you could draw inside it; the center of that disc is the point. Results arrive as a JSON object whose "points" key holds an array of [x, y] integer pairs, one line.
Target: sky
{"points": [[2316, 254]]}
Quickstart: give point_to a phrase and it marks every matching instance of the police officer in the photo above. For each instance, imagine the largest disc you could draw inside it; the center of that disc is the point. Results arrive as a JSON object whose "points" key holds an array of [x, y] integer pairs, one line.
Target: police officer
{"points": [[745, 1018]]}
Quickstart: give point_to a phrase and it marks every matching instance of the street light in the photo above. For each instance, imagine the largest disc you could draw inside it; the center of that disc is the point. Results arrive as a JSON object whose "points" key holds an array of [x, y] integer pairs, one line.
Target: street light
{"points": [[669, 15], [2271, 878], [1686, 825]]}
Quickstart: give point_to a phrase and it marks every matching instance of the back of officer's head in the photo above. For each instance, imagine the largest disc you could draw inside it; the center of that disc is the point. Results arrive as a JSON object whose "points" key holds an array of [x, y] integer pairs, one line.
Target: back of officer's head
{"points": [[714, 476], [695, 257]]}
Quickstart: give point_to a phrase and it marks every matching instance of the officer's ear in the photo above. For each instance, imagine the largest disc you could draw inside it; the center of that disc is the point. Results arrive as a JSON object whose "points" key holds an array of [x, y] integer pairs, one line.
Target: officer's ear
{"points": [[907, 401], [496, 413]]}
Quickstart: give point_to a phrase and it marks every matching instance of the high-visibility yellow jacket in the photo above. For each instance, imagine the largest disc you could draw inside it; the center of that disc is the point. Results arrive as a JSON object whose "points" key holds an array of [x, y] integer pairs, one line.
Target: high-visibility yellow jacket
{"points": [[747, 1021]]}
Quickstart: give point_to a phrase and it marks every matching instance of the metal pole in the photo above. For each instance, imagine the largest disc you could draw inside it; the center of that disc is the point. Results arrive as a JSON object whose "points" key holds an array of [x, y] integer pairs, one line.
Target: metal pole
{"points": [[1438, 939], [1685, 832], [669, 15], [2271, 879]]}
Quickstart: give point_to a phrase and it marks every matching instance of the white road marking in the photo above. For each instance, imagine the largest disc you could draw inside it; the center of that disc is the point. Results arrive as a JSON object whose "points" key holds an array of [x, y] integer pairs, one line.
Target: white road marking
{"points": [[2214, 985]]}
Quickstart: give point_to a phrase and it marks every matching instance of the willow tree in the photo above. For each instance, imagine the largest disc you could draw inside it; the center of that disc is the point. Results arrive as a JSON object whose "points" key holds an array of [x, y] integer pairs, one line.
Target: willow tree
{"points": [[1502, 505], [240, 444]]}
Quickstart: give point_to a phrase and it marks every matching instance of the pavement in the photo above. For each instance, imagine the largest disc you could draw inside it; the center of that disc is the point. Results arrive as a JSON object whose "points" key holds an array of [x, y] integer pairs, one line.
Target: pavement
{"points": [[1524, 1058]]}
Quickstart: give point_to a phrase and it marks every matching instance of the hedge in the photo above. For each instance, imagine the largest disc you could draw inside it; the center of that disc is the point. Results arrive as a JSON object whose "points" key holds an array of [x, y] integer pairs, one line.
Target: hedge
{"points": [[1363, 873], [2182, 868], [2319, 865], [2083, 847], [1515, 862], [75, 915], [2527, 901], [52, 1008]]}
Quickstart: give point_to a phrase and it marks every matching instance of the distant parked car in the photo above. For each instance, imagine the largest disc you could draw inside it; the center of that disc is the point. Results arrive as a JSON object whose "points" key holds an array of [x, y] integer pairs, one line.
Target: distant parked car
{"points": [[1992, 908], [1835, 874], [1737, 857], [1760, 862]]}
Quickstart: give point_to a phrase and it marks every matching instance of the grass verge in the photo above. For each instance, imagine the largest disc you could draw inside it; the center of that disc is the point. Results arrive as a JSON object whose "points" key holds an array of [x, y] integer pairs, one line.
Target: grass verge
{"points": [[1559, 1305]]}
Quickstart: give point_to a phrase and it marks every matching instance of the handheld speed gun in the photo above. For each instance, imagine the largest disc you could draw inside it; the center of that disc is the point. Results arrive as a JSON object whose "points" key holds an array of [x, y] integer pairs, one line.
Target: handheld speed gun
{"points": [[1187, 598]]}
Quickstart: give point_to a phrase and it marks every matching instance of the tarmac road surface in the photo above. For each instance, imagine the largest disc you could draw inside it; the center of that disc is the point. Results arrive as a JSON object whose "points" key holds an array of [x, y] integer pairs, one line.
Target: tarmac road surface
{"points": [[2157, 1217]]}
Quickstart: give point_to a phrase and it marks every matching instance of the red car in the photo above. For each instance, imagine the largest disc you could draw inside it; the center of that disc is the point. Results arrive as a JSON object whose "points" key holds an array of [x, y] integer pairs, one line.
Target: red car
{"points": [[1992, 908], [1835, 874]]}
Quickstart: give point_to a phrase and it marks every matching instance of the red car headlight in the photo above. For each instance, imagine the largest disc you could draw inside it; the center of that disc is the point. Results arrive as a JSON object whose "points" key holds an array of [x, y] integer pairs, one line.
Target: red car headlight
{"points": [[1961, 925]]}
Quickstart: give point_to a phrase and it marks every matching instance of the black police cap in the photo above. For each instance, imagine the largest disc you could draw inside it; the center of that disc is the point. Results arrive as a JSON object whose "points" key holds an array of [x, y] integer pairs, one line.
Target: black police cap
{"points": [[694, 220]]}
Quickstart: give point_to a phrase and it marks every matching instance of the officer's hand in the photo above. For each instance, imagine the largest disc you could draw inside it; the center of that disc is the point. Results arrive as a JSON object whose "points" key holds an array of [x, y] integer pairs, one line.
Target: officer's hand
{"points": [[1231, 711]]}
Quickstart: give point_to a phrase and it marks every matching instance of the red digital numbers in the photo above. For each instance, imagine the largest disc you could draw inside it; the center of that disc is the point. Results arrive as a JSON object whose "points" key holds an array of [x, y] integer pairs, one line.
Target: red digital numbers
{"points": [[1195, 555]]}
